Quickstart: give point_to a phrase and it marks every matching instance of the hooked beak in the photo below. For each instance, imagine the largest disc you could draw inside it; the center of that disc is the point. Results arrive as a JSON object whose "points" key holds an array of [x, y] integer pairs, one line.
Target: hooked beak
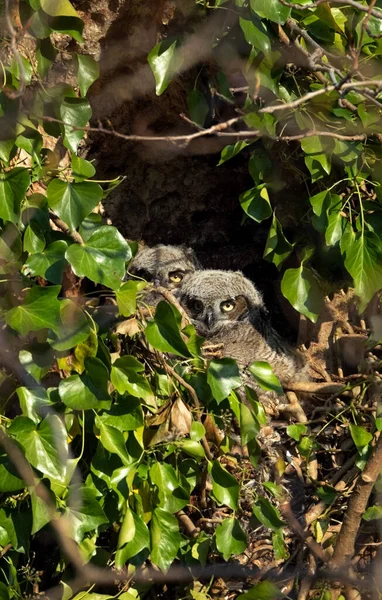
{"points": [[156, 282], [209, 319]]}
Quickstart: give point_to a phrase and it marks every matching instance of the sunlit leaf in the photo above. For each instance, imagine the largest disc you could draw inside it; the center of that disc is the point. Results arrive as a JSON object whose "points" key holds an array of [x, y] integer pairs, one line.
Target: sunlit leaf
{"points": [[255, 203], [13, 186], [364, 263], [223, 377], [165, 538], [72, 202], [40, 309], [301, 289], [230, 538], [87, 72], [102, 258], [225, 487], [164, 60], [45, 444]]}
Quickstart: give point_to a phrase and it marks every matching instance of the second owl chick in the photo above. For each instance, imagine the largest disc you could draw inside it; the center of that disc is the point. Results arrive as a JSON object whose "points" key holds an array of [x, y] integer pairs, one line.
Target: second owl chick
{"points": [[165, 266], [226, 308]]}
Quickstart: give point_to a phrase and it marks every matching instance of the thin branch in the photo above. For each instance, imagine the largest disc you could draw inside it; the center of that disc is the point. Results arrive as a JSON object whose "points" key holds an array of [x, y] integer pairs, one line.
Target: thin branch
{"points": [[217, 129], [353, 3], [65, 228]]}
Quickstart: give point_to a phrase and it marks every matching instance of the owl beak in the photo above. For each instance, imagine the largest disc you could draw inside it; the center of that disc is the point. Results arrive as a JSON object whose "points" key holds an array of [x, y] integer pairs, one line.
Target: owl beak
{"points": [[156, 282], [209, 319]]}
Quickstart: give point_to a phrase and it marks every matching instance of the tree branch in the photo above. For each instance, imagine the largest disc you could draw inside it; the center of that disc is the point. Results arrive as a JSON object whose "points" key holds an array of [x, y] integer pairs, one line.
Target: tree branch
{"points": [[345, 544]]}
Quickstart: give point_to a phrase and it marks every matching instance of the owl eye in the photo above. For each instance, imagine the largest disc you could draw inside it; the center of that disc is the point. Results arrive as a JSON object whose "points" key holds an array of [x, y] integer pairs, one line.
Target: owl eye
{"points": [[176, 276], [196, 306], [227, 305]]}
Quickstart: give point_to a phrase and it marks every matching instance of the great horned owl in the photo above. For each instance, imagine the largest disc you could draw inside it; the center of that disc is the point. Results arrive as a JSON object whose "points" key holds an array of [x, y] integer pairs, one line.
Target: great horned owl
{"points": [[165, 266], [226, 308]]}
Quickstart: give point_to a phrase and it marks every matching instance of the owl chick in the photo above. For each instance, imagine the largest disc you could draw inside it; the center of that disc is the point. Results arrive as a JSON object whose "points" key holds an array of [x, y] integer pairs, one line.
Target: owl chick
{"points": [[226, 308], [165, 266]]}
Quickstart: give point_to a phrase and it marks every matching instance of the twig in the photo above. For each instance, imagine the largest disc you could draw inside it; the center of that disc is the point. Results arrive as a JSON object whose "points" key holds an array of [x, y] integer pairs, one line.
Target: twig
{"points": [[297, 528], [344, 548], [65, 228], [217, 130], [353, 3]]}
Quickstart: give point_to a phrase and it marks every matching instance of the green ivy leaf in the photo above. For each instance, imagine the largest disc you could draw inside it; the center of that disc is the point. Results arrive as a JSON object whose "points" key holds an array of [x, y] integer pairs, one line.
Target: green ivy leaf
{"points": [[87, 72], [270, 9], [13, 187], [277, 248], [37, 360], [133, 537], [163, 331], [34, 402], [249, 425], [256, 34], [50, 263], [192, 448], [83, 512], [301, 289], [113, 441], [126, 377], [74, 327], [40, 512], [164, 61], [72, 202], [373, 512], [264, 376], [34, 240], [9, 478], [364, 263], [58, 8], [230, 151], [296, 431], [267, 514], [125, 414], [46, 55], [74, 112], [88, 390], [361, 437], [225, 487], [255, 203], [223, 376], [45, 445], [171, 494], [40, 309], [102, 258], [126, 297], [165, 538], [230, 538], [81, 169], [279, 546], [197, 107]]}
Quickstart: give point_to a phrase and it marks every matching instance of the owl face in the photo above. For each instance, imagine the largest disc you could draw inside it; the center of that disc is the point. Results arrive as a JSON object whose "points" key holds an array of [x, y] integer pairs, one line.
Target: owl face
{"points": [[213, 299], [167, 266]]}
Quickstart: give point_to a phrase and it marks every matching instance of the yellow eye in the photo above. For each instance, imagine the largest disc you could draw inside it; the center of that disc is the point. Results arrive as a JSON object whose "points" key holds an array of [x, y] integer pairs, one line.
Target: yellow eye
{"points": [[227, 306], [176, 276]]}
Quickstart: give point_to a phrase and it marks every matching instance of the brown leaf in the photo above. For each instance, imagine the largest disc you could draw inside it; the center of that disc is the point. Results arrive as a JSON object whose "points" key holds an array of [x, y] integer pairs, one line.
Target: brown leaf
{"points": [[180, 417]]}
